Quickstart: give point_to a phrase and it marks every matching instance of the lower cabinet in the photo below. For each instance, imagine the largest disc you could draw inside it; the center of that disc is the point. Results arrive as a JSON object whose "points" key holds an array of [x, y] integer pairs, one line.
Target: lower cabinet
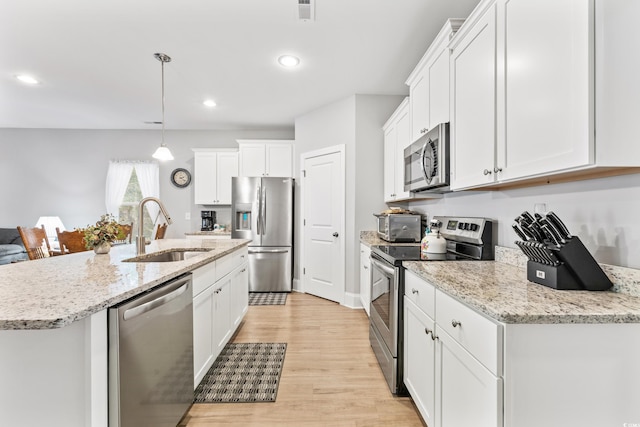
{"points": [[365, 277], [221, 300]]}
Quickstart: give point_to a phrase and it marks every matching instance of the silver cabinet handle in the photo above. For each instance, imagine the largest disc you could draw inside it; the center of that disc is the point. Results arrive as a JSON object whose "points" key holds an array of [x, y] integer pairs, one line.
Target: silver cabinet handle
{"points": [[497, 169], [243, 270], [335, 234], [366, 267], [487, 172], [414, 291], [455, 323], [428, 331], [423, 130], [433, 336]]}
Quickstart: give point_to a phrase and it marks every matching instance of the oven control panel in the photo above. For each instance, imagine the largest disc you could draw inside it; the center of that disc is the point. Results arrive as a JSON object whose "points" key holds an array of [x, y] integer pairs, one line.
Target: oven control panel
{"points": [[466, 229]]}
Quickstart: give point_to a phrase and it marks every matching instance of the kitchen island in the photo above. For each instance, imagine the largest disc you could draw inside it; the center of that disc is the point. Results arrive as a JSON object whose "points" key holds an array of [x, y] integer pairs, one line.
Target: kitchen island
{"points": [[487, 346], [53, 326]]}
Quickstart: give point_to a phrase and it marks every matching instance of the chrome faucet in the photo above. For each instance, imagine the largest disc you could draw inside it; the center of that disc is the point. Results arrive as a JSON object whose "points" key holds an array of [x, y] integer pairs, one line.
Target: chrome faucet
{"points": [[140, 240]]}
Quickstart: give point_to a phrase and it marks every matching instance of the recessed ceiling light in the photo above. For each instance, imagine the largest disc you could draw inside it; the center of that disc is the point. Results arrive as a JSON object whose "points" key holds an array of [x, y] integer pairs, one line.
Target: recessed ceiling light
{"points": [[24, 78], [210, 103], [288, 61]]}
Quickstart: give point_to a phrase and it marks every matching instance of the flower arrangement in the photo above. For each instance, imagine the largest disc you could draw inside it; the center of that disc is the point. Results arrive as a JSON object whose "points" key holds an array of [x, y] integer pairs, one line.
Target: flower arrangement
{"points": [[105, 230]]}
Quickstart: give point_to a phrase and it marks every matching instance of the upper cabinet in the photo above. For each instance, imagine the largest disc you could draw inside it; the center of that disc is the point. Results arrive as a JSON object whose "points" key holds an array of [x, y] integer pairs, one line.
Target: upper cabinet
{"points": [[429, 84], [523, 99], [265, 158], [214, 169]]}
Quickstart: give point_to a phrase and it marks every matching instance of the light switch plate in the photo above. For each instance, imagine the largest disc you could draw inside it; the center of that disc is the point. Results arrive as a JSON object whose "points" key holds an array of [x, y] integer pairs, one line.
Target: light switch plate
{"points": [[187, 216]]}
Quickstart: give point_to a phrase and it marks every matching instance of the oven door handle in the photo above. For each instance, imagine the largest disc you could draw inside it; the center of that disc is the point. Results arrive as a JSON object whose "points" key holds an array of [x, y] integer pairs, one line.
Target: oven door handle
{"points": [[388, 270]]}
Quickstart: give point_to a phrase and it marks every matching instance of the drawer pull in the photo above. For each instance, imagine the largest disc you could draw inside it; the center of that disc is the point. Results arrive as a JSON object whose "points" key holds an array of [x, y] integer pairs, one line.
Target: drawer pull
{"points": [[366, 267], [428, 331], [455, 323], [414, 291], [433, 336]]}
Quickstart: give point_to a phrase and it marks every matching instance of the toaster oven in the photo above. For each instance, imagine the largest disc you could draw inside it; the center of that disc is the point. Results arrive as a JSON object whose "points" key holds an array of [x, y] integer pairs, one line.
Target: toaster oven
{"points": [[405, 228]]}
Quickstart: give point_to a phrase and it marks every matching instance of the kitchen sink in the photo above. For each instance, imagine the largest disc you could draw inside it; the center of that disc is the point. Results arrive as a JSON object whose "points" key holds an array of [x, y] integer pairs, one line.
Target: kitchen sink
{"points": [[167, 256]]}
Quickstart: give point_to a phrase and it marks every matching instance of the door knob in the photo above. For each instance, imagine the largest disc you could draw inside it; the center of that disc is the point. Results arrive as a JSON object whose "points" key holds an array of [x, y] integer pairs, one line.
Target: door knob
{"points": [[335, 234]]}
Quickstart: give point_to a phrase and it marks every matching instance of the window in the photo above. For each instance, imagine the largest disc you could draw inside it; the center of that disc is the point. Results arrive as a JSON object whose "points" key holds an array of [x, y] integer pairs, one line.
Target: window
{"points": [[128, 182]]}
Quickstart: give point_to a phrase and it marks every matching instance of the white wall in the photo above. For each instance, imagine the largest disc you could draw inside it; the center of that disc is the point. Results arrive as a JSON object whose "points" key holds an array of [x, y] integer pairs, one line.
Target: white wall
{"points": [[357, 123], [604, 213], [63, 172]]}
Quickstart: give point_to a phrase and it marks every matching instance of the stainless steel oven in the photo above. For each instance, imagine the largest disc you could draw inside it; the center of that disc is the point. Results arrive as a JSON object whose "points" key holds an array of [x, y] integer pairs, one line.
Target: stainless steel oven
{"points": [[426, 161], [468, 239]]}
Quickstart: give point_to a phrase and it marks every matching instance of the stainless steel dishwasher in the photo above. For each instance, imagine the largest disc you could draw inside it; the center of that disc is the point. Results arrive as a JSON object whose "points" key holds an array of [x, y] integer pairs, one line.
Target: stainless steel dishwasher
{"points": [[151, 357]]}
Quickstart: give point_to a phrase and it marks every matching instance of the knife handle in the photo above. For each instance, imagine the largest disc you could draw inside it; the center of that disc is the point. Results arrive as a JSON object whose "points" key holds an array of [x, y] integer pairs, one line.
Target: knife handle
{"points": [[519, 231], [562, 228]]}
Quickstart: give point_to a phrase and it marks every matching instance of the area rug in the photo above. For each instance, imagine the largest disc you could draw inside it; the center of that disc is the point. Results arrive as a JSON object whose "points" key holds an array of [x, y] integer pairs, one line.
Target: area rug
{"points": [[244, 372], [267, 298]]}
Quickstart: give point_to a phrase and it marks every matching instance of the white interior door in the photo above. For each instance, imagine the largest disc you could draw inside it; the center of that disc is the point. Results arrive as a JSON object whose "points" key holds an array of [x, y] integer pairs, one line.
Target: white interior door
{"points": [[323, 190]]}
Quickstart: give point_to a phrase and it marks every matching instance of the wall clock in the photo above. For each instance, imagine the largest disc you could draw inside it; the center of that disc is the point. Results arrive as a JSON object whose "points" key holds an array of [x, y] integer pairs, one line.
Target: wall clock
{"points": [[180, 177]]}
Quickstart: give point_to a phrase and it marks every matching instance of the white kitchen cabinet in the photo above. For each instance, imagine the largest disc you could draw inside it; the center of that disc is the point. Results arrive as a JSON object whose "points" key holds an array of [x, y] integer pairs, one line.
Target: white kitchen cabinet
{"points": [[214, 169], [419, 360], [473, 87], [265, 158], [429, 84], [365, 277], [221, 299], [525, 102]]}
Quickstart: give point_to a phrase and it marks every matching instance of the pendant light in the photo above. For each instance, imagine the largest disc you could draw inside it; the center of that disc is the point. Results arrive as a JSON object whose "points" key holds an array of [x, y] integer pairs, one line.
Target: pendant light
{"points": [[162, 153]]}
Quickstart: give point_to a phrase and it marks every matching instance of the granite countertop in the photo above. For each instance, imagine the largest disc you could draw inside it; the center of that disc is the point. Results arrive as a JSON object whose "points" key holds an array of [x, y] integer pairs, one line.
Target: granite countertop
{"points": [[208, 233], [502, 292], [54, 292]]}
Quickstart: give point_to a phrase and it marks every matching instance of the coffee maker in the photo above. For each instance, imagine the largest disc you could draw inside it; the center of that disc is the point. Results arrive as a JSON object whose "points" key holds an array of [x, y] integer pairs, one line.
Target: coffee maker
{"points": [[208, 219]]}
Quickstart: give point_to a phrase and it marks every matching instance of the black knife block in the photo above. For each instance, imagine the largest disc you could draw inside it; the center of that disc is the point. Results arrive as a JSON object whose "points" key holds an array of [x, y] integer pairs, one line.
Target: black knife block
{"points": [[578, 270]]}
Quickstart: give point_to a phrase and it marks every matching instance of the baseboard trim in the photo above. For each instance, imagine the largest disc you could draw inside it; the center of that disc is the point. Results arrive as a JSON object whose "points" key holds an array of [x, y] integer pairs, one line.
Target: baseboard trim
{"points": [[352, 300]]}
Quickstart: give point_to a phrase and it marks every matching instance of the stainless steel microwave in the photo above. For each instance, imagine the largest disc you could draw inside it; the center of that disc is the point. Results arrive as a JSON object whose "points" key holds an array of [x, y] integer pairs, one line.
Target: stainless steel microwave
{"points": [[426, 161]]}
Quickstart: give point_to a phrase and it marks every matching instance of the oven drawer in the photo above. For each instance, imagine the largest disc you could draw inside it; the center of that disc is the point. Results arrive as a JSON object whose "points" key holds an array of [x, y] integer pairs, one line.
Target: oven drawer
{"points": [[479, 335], [420, 292]]}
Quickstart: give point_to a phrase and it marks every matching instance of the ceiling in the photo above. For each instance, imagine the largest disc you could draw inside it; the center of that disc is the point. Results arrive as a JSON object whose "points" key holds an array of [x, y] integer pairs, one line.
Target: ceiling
{"points": [[97, 70]]}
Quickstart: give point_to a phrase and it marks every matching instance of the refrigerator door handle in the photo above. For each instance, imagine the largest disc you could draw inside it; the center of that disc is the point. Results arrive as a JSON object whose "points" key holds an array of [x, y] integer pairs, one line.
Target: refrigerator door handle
{"points": [[264, 211], [268, 251], [259, 213]]}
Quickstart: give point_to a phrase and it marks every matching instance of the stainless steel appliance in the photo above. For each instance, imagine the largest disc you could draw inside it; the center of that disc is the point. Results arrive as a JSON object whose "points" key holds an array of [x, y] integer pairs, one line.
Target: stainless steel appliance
{"points": [[208, 220], [151, 357], [399, 227], [262, 211], [467, 239], [426, 161]]}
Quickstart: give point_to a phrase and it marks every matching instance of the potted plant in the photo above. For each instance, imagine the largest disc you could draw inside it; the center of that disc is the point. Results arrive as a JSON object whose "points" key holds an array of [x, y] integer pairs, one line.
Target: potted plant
{"points": [[100, 236]]}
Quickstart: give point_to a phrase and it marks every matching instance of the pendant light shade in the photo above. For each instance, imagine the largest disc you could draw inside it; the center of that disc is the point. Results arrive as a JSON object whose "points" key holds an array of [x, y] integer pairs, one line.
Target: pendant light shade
{"points": [[162, 153]]}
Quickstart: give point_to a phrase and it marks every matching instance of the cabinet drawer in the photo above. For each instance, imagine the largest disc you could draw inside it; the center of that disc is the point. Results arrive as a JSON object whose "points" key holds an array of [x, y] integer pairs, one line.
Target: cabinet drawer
{"points": [[420, 292], [225, 265], [241, 256], [203, 277], [479, 335]]}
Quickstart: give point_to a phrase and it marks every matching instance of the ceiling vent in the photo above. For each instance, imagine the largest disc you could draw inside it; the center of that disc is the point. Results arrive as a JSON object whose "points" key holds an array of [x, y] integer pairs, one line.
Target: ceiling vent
{"points": [[306, 10]]}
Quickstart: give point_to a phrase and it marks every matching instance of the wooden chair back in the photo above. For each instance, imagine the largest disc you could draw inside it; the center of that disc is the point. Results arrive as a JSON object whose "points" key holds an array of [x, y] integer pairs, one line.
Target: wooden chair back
{"points": [[126, 230], [160, 231], [71, 241], [35, 241]]}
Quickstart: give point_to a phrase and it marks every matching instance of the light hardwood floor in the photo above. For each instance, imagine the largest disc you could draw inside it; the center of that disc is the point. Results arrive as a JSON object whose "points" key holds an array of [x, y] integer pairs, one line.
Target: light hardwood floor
{"points": [[330, 375]]}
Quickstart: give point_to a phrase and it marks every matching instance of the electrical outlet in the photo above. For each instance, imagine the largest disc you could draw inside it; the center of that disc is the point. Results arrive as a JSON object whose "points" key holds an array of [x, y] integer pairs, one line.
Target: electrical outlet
{"points": [[187, 216]]}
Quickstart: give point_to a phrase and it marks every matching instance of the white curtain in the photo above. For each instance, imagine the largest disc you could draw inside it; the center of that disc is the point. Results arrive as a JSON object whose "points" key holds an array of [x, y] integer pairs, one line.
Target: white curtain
{"points": [[149, 180], [118, 177]]}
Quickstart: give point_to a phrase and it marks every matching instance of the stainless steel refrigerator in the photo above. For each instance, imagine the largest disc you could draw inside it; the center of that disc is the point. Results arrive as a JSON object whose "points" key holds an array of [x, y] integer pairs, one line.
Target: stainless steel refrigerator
{"points": [[262, 211]]}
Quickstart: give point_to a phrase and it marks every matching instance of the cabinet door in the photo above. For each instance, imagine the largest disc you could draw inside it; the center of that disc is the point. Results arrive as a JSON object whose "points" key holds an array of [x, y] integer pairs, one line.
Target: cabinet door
{"points": [[473, 92], [279, 159], [205, 179], [419, 104], [239, 295], [419, 360], [390, 164], [548, 81], [222, 315], [467, 394], [402, 140], [365, 277], [203, 345], [252, 159], [227, 167], [439, 89]]}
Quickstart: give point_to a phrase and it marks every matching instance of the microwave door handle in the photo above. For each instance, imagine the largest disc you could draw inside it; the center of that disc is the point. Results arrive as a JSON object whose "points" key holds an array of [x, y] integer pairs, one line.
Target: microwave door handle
{"points": [[422, 161]]}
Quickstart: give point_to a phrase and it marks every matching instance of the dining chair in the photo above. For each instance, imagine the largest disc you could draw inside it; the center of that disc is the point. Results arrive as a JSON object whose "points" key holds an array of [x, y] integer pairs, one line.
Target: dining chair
{"points": [[71, 241], [35, 241], [124, 236], [160, 231]]}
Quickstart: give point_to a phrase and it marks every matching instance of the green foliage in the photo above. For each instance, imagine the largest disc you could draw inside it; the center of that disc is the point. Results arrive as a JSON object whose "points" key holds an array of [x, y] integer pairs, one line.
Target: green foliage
{"points": [[105, 230]]}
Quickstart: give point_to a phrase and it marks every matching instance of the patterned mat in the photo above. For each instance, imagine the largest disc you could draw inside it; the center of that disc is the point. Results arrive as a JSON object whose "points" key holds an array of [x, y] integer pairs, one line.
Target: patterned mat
{"points": [[244, 372], [267, 298]]}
